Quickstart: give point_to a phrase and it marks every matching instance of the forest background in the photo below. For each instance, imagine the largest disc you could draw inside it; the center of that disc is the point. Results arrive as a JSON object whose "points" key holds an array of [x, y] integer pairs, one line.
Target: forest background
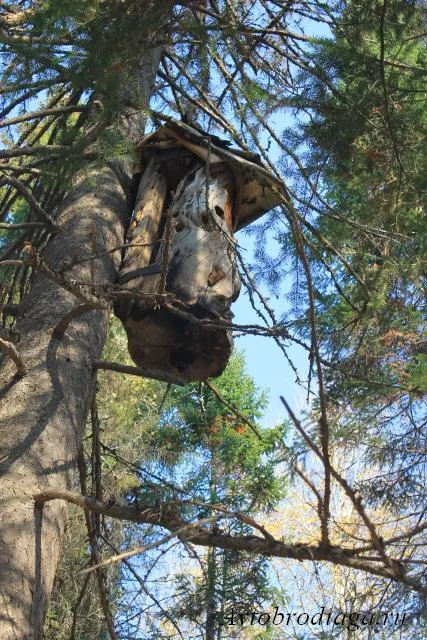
{"points": [[218, 507]]}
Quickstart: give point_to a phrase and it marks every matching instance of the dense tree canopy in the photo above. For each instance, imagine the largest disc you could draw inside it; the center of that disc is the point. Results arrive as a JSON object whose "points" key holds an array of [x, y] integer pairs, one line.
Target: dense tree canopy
{"points": [[331, 96]]}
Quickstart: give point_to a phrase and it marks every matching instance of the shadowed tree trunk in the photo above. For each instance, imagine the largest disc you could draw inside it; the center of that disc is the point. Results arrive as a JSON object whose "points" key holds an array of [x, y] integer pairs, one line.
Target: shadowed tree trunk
{"points": [[43, 414]]}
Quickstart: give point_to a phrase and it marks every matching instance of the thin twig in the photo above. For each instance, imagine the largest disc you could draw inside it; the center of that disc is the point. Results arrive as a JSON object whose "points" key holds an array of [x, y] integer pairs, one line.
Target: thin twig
{"points": [[32, 259], [323, 422], [77, 606], [239, 515], [184, 532], [232, 408], [354, 497], [143, 586], [95, 559]]}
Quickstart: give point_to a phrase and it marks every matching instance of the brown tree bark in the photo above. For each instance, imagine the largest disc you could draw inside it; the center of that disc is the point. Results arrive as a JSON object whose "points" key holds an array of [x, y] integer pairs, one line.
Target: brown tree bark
{"points": [[42, 415]]}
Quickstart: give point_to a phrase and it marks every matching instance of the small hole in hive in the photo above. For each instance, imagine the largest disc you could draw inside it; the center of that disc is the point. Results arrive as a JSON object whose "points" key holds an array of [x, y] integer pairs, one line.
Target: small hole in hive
{"points": [[179, 226]]}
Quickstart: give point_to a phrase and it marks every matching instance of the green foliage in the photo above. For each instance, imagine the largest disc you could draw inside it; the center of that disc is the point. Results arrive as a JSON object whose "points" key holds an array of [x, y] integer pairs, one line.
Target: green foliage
{"points": [[218, 459], [356, 164], [198, 430]]}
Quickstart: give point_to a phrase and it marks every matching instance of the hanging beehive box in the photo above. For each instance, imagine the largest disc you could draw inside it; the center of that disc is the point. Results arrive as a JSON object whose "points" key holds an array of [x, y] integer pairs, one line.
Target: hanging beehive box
{"points": [[194, 193]]}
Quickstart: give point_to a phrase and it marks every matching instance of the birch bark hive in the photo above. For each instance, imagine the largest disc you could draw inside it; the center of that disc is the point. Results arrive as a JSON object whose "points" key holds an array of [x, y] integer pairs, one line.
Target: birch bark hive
{"points": [[193, 194]]}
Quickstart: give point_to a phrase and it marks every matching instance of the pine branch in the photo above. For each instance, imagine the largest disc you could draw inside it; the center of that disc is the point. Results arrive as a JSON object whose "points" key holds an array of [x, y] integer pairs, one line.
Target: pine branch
{"points": [[198, 534], [43, 113]]}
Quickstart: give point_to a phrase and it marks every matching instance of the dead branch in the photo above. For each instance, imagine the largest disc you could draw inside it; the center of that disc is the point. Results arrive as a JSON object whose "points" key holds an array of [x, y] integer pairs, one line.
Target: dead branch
{"points": [[200, 535], [226, 126], [14, 354], [239, 515], [25, 193], [32, 259], [183, 532], [377, 541], [323, 422], [406, 535], [76, 607], [312, 486], [252, 288], [143, 586], [42, 113], [61, 327], [95, 558], [138, 371]]}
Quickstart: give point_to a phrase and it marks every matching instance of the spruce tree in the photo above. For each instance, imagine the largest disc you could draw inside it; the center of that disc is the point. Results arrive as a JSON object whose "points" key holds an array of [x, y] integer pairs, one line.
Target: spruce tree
{"points": [[76, 84]]}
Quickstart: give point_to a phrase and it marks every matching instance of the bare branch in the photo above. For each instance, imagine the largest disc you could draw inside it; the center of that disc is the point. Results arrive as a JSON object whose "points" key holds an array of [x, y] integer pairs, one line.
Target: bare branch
{"points": [[19, 186], [14, 354], [77, 606], [323, 423], [356, 500], [32, 259], [95, 558], [182, 532], [138, 371], [200, 535], [77, 311], [42, 113]]}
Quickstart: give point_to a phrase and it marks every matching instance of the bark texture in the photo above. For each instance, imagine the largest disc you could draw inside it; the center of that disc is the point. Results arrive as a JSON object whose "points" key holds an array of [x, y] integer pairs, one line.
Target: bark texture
{"points": [[42, 415]]}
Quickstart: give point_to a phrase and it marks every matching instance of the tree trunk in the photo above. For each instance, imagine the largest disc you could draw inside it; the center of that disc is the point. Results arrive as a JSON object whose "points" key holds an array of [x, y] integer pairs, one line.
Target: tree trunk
{"points": [[42, 415], [211, 613]]}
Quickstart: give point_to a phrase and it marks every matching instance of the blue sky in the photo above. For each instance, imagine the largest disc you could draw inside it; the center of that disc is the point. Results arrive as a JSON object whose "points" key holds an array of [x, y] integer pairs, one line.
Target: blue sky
{"points": [[265, 361]]}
